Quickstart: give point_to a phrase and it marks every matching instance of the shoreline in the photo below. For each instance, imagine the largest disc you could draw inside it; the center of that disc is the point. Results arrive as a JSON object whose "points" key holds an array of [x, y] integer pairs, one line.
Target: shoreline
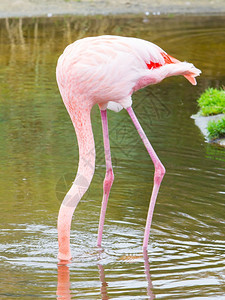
{"points": [[202, 122], [49, 8]]}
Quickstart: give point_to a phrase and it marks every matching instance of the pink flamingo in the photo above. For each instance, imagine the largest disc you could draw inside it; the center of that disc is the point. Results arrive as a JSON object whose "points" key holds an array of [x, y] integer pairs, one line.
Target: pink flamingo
{"points": [[106, 70]]}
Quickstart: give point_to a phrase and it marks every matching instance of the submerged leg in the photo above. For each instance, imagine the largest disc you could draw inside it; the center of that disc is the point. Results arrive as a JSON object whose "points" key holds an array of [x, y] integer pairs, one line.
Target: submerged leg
{"points": [[158, 176], [109, 177]]}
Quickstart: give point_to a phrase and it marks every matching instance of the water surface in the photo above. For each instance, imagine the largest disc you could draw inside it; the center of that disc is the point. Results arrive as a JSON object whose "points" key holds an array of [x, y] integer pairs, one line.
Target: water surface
{"points": [[39, 158]]}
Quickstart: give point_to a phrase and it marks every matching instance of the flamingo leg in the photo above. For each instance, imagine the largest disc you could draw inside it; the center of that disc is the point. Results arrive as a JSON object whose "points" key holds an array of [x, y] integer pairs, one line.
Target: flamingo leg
{"points": [[109, 177], [158, 175]]}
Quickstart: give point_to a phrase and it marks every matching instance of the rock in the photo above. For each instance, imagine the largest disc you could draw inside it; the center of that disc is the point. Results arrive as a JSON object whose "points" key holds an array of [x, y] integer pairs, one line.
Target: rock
{"points": [[221, 142], [202, 123]]}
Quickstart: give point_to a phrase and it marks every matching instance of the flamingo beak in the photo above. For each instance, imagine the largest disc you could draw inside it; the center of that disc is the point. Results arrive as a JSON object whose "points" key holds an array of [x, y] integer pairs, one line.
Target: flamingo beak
{"points": [[191, 79]]}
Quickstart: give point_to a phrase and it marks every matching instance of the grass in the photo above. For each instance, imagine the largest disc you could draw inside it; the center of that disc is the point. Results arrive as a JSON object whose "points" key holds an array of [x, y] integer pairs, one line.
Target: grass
{"points": [[216, 129], [212, 102]]}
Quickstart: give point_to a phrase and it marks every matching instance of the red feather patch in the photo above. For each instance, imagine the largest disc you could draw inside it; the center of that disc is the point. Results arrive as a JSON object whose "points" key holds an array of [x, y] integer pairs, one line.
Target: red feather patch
{"points": [[153, 65], [168, 59]]}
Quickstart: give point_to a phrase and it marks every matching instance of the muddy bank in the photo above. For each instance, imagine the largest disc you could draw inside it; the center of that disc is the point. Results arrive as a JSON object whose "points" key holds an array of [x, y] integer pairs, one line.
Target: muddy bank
{"points": [[31, 8]]}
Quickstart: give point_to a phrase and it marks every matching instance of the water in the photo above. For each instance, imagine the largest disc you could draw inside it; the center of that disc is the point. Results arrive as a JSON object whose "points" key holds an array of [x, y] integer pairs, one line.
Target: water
{"points": [[39, 158]]}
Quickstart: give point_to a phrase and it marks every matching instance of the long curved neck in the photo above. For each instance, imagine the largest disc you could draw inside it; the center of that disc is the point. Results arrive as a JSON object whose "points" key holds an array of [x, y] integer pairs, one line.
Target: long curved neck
{"points": [[82, 123]]}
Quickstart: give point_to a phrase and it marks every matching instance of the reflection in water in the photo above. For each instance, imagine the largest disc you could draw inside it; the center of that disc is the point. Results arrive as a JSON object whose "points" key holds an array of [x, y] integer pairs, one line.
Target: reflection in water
{"points": [[104, 284], [148, 276], [15, 31], [64, 285]]}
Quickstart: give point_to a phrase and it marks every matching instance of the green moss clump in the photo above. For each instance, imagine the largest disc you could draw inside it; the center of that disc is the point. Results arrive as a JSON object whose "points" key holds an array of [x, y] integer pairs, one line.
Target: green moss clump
{"points": [[216, 129], [212, 102]]}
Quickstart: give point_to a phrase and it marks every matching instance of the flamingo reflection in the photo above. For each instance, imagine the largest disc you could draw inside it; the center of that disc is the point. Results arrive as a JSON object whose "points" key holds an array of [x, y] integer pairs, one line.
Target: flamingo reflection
{"points": [[148, 276], [63, 287], [104, 284]]}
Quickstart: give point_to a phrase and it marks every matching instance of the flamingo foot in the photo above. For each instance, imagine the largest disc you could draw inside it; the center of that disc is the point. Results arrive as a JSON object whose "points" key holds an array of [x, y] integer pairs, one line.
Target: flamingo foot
{"points": [[64, 257]]}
